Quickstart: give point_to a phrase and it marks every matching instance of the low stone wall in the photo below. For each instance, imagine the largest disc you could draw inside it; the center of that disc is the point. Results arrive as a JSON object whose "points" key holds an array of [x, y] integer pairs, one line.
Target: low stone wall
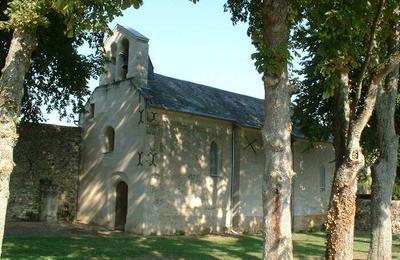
{"points": [[309, 222], [363, 215], [46, 158]]}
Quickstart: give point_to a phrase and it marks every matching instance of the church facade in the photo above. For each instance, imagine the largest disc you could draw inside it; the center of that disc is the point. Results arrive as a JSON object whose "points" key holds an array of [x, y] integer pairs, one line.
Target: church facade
{"points": [[165, 156]]}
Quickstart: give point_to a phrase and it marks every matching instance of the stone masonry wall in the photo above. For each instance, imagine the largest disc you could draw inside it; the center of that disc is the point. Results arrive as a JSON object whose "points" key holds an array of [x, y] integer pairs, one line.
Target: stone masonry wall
{"points": [[184, 196], [363, 216], [44, 154]]}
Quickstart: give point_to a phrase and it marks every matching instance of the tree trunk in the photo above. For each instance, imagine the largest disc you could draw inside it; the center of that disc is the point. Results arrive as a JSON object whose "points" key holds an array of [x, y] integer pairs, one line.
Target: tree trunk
{"points": [[341, 121], [384, 171], [11, 92], [340, 126], [340, 217], [276, 133]]}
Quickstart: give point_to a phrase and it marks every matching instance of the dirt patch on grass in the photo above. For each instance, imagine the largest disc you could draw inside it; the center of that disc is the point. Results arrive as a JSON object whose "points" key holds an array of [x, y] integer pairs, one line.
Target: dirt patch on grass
{"points": [[18, 229]]}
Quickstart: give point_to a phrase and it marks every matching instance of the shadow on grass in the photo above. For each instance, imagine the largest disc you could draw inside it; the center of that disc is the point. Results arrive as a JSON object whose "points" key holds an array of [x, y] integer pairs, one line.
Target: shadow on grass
{"points": [[132, 246], [127, 246]]}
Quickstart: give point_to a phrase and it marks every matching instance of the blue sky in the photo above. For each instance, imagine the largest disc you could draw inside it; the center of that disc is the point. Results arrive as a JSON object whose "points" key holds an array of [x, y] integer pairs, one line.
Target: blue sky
{"points": [[195, 42]]}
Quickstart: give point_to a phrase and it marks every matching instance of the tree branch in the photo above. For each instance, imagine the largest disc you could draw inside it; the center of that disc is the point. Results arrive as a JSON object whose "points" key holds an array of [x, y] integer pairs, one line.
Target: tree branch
{"points": [[371, 44], [384, 68], [380, 72], [341, 118]]}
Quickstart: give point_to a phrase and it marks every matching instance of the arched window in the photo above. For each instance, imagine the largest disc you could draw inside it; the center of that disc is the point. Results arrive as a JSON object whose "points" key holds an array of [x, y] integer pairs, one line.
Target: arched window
{"points": [[109, 138], [322, 185], [124, 53], [214, 159]]}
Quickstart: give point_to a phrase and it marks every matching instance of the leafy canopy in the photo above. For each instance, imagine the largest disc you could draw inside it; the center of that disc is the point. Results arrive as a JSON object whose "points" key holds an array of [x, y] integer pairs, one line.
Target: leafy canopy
{"points": [[336, 37], [79, 15], [59, 74], [268, 59]]}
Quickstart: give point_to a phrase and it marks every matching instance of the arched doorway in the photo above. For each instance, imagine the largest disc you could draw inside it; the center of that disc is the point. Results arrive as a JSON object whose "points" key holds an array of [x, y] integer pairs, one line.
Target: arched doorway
{"points": [[121, 205]]}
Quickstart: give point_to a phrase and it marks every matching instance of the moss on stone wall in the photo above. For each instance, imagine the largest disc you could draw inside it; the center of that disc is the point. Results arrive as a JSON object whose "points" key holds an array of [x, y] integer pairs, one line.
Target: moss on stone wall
{"points": [[44, 152]]}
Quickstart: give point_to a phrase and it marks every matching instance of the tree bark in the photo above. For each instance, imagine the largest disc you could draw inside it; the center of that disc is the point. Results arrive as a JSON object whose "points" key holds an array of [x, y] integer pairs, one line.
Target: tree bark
{"points": [[341, 123], [11, 92], [384, 171], [340, 217], [277, 177]]}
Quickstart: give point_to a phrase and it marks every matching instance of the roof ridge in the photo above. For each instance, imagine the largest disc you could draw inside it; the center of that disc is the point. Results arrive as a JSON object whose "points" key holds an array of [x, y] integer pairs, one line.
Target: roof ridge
{"points": [[218, 89], [184, 96]]}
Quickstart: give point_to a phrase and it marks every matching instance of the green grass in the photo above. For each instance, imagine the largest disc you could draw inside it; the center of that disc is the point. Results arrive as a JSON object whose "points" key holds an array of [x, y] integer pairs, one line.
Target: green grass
{"points": [[207, 247]]}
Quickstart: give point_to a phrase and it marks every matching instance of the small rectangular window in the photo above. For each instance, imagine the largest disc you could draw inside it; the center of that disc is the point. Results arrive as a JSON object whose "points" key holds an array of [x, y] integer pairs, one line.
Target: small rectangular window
{"points": [[109, 139], [91, 110], [214, 159], [322, 179]]}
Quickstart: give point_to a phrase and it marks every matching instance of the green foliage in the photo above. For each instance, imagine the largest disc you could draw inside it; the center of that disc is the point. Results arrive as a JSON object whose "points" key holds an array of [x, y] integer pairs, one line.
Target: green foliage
{"points": [[31, 216], [265, 59], [24, 15], [312, 113], [336, 37], [179, 232], [335, 34], [396, 188], [59, 74], [268, 59], [79, 15]]}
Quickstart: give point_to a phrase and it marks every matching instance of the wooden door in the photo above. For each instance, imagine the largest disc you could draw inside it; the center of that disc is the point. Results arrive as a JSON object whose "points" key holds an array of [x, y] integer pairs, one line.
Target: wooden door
{"points": [[121, 206]]}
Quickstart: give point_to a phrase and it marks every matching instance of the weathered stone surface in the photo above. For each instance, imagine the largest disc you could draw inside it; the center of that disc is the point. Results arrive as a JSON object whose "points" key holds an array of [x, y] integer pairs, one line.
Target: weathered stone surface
{"points": [[363, 216], [163, 135], [185, 196], [166, 164], [309, 222], [44, 153], [49, 201]]}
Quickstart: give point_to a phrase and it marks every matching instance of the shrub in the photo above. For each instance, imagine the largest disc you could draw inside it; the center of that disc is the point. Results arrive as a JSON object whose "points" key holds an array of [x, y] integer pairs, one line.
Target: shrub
{"points": [[31, 216], [396, 188], [180, 233]]}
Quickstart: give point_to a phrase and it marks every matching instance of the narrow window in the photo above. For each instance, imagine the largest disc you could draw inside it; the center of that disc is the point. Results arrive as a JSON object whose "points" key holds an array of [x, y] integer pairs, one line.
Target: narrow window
{"points": [[322, 179], [113, 73], [125, 58], [109, 135], [214, 159], [91, 110], [113, 53]]}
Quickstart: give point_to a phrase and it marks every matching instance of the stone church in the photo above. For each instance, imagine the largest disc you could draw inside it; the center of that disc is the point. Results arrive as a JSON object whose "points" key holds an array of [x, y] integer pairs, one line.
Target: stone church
{"points": [[161, 155]]}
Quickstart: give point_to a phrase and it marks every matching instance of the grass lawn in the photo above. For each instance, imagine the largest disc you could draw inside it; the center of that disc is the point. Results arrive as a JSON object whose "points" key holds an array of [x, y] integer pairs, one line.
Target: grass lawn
{"points": [[178, 247]]}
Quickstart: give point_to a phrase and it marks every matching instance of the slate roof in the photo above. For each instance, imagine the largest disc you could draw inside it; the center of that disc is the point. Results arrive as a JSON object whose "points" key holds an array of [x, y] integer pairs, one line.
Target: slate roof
{"points": [[132, 32], [183, 96]]}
